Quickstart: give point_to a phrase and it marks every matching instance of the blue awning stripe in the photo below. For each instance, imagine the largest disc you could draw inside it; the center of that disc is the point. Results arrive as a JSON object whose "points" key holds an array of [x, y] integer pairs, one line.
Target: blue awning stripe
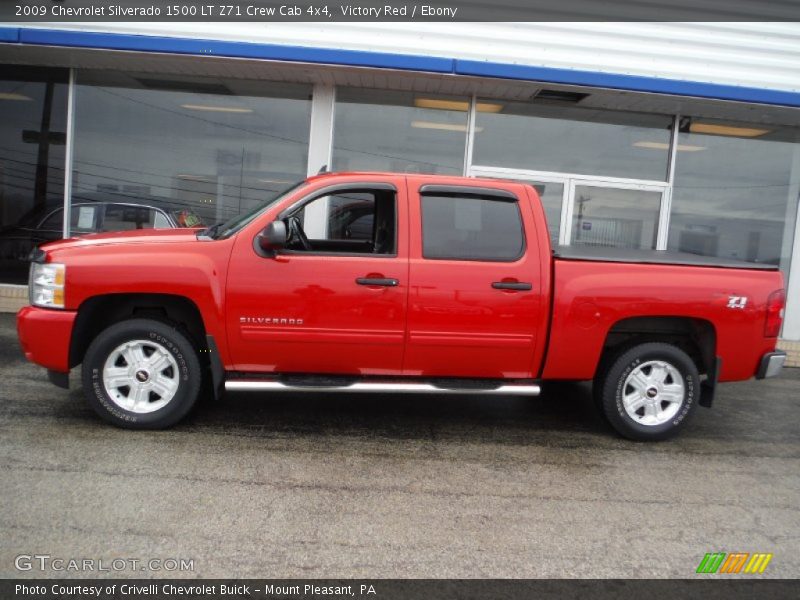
{"points": [[384, 60]]}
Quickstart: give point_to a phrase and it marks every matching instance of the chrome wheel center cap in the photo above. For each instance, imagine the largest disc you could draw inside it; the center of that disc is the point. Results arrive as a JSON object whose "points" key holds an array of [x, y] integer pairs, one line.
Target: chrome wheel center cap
{"points": [[141, 376], [653, 393]]}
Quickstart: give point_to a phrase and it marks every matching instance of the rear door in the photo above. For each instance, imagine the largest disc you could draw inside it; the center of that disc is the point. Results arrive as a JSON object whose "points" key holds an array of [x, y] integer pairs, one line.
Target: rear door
{"points": [[476, 302]]}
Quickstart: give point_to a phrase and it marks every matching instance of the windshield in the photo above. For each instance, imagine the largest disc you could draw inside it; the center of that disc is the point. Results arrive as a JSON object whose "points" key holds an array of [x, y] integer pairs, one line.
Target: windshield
{"points": [[231, 226]]}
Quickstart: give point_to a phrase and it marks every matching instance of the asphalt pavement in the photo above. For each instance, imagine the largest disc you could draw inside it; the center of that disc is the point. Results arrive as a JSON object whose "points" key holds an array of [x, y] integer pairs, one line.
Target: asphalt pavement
{"points": [[312, 485]]}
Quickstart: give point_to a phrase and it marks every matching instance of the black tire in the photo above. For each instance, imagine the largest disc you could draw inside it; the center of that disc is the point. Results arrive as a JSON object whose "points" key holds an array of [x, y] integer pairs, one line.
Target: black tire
{"points": [[189, 373], [610, 388]]}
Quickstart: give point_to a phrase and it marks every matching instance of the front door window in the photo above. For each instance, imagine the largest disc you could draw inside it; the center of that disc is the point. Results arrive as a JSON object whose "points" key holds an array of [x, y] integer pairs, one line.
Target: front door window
{"points": [[360, 221]]}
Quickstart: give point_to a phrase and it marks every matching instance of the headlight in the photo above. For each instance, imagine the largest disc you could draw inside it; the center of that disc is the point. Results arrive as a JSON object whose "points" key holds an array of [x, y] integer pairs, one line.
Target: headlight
{"points": [[46, 284]]}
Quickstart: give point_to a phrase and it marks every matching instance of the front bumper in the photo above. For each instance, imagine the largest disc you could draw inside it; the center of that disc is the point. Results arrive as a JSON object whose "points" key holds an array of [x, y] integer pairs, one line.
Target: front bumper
{"points": [[771, 364], [45, 335]]}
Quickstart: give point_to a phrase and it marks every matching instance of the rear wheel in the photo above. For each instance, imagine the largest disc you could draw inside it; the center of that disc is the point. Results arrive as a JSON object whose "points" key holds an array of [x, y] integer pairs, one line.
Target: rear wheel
{"points": [[141, 374], [649, 391]]}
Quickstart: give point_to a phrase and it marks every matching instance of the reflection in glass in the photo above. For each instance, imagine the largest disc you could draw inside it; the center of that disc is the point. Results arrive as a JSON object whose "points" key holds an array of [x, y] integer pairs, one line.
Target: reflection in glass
{"points": [[377, 130], [736, 193], [614, 217], [33, 108], [207, 149], [552, 197], [471, 229], [568, 139]]}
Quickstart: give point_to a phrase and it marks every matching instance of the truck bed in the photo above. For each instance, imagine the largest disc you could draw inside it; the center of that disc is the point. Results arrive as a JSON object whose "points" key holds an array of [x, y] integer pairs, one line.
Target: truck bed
{"points": [[662, 257]]}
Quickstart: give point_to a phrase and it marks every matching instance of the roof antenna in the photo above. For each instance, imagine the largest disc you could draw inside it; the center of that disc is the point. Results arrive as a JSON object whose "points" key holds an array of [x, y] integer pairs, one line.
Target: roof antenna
{"points": [[323, 169]]}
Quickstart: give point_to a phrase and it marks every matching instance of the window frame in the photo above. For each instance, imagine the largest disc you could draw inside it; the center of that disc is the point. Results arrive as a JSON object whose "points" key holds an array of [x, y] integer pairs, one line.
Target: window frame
{"points": [[479, 193]]}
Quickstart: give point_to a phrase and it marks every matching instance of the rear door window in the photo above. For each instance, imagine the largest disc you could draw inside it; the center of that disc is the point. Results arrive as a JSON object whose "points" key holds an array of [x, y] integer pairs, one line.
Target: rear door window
{"points": [[471, 228]]}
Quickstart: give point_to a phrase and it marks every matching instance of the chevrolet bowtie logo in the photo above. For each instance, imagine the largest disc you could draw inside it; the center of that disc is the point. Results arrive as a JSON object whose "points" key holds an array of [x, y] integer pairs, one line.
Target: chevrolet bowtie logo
{"points": [[735, 562]]}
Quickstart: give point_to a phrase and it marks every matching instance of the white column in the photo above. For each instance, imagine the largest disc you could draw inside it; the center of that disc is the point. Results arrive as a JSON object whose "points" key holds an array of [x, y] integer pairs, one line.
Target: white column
{"points": [[471, 116], [791, 234], [320, 147], [666, 198], [68, 153]]}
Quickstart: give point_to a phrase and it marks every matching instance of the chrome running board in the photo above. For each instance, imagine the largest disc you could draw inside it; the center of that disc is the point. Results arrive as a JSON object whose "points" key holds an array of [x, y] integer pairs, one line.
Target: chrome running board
{"points": [[255, 385]]}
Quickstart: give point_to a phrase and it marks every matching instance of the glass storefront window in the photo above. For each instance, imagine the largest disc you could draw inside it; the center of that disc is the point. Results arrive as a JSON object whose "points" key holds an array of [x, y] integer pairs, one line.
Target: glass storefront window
{"points": [[551, 195], [376, 130], [568, 139], [736, 191], [33, 105], [619, 218], [203, 150]]}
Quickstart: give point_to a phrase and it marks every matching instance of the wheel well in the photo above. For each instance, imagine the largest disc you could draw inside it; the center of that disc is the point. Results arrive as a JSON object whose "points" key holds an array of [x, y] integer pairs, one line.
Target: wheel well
{"points": [[98, 313], [696, 337]]}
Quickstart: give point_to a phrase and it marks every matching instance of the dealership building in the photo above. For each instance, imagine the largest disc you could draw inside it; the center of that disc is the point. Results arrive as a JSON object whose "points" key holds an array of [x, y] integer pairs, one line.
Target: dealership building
{"points": [[667, 136]]}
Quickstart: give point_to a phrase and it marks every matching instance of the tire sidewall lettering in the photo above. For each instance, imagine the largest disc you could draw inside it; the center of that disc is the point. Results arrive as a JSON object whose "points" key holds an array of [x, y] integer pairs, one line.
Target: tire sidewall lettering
{"points": [[175, 351], [620, 391], [98, 389], [688, 399]]}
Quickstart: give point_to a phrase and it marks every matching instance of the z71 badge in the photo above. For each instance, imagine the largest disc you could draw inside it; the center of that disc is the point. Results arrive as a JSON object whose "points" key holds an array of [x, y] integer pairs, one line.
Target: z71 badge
{"points": [[737, 301]]}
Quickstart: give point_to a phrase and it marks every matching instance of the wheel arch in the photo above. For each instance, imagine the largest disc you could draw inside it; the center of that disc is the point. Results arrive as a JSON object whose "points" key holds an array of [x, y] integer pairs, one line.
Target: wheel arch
{"points": [[697, 337], [99, 312]]}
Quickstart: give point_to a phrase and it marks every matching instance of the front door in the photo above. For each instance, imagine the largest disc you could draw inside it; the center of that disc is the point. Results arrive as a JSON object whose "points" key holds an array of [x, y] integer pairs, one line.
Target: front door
{"points": [[476, 303], [334, 301]]}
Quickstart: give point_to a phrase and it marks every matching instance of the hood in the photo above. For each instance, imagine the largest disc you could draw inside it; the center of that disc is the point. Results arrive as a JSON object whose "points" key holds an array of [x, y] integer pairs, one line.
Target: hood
{"points": [[137, 236]]}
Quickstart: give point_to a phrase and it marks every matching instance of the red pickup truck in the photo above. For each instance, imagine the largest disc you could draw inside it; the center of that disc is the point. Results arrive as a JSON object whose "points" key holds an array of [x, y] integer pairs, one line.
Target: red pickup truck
{"points": [[380, 282]]}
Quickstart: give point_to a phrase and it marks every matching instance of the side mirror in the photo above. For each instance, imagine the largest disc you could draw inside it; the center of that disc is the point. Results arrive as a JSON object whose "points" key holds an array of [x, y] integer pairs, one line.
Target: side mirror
{"points": [[273, 238]]}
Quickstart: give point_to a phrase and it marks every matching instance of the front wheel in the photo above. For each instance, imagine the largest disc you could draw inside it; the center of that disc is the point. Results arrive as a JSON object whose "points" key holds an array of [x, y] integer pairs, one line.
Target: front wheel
{"points": [[649, 391], [141, 374]]}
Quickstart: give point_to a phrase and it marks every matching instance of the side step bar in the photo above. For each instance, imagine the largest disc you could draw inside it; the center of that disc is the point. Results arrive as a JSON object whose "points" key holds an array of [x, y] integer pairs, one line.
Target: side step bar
{"points": [[255, 385]]}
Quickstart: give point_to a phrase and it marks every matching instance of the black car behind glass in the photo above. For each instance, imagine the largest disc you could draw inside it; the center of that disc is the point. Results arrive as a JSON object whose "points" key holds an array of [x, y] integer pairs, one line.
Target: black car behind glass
{"points": [[39, 227]]}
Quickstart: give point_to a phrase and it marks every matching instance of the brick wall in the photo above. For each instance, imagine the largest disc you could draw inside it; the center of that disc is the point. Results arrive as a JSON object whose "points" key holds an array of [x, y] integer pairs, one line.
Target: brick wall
{"points": [[793, 352], [13, 297]]}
